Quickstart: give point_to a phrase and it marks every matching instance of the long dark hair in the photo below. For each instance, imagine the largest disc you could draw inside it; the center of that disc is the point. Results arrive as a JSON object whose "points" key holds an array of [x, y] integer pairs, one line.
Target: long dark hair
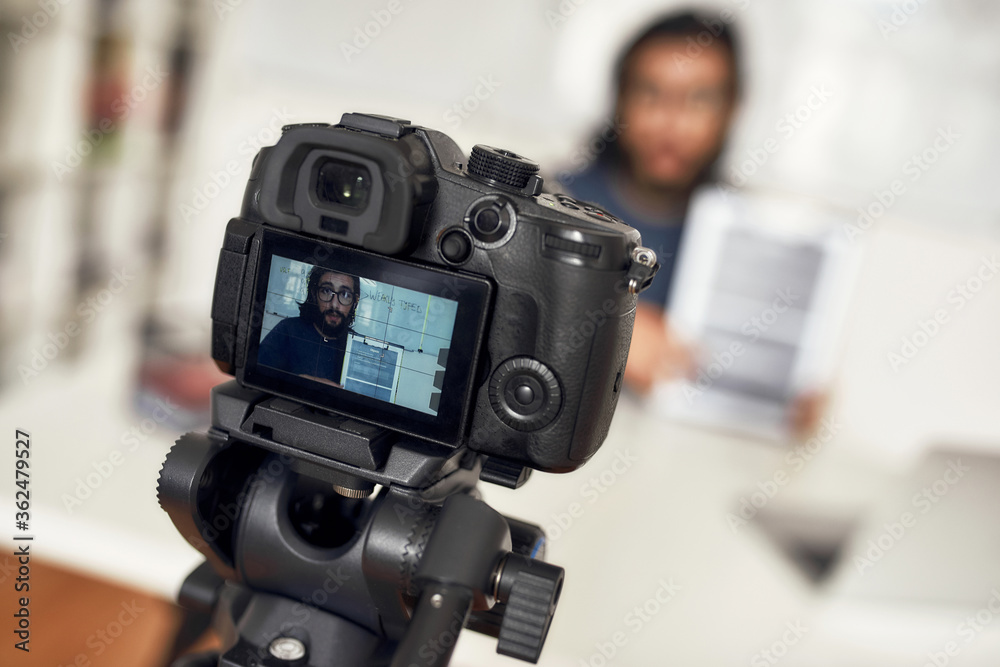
{"points": [[309, 309]]}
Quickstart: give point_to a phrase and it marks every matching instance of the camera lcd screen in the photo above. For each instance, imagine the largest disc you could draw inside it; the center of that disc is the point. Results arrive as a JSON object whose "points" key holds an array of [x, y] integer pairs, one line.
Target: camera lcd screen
{"points": [[367, 336]]}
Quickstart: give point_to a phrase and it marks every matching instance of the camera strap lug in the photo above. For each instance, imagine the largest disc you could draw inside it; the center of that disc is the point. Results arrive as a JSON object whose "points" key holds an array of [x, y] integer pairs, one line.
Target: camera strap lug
{"points": [[642, 269]]}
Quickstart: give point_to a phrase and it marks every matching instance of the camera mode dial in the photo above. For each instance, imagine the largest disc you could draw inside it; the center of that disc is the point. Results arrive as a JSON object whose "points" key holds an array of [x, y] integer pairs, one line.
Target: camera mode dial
{"points": [[497, 166], [525, 394]]}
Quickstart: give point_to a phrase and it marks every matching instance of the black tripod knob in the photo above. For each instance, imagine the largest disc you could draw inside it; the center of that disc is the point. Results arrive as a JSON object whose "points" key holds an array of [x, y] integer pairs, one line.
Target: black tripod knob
{"points": [[530, 591], [501, 167]]}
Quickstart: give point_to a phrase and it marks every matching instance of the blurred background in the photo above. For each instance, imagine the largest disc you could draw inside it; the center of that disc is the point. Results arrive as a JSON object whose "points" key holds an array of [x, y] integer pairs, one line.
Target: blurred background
{"points": [[127, 129]]}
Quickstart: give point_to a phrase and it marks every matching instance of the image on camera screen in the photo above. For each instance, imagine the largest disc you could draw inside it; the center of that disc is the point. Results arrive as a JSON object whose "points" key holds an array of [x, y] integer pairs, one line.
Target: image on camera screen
{"points": [[369, 337]]}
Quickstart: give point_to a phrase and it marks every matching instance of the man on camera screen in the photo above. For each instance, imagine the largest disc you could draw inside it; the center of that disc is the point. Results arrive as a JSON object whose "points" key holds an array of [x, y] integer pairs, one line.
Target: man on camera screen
{"points": [[313, 344]]}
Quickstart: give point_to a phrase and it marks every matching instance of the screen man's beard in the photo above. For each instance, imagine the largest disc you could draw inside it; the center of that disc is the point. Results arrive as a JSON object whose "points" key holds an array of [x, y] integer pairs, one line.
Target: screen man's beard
{"points": [[332, 327]]}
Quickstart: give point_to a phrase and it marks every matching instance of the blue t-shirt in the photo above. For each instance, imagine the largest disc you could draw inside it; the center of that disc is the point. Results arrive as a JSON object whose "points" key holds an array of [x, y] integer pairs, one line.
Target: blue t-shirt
{"points": [[295, 346], [661, 235]]}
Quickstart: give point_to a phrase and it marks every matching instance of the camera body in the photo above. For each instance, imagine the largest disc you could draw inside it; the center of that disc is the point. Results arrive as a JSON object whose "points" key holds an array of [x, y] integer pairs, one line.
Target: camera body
{"points": [[483, 313]]}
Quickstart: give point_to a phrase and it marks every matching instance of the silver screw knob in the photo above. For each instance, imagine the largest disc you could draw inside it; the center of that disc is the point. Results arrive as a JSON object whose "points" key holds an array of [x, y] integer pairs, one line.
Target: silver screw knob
{"points": [[287, 648]]}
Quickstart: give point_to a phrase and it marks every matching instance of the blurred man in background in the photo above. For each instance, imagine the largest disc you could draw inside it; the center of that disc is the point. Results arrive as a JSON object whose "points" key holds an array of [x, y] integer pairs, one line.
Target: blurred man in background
{"points": [[677, 84]]}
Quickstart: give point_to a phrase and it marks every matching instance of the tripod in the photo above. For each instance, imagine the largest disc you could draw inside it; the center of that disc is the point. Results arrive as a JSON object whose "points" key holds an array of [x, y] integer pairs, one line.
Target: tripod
{"points": [[305, 568]]}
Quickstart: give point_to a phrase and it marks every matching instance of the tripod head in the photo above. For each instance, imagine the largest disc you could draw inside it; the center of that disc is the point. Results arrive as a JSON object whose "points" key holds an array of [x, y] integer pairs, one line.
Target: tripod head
{"points": [[298, 554]]}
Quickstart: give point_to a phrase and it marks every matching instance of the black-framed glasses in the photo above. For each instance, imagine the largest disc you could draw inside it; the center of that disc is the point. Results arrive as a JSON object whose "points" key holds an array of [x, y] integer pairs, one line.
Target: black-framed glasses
{"points": [[345, 296]]}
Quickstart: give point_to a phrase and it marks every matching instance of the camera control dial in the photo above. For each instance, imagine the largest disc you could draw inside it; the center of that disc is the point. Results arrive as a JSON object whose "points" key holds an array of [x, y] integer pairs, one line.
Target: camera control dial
{"points": [[497, 166], [525, 393]]}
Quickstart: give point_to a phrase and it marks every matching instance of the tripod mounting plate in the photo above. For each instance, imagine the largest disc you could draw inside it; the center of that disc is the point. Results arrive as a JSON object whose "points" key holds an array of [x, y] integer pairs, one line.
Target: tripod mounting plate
{"points": [[321, 441]]}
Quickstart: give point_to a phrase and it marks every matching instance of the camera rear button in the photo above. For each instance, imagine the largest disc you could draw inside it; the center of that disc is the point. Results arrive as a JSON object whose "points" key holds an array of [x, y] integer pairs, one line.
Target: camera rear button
{"points": [[487, 221], [524, 394], [455, 246]]}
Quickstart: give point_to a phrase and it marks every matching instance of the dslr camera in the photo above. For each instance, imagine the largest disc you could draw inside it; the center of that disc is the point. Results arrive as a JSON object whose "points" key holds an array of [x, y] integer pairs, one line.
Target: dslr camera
{"points": [[396, 316]]}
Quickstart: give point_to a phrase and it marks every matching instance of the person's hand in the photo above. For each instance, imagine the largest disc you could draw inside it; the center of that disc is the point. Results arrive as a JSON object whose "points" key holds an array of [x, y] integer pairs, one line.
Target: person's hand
{"points": [[323, 380], [807, 411], [656, 352]]}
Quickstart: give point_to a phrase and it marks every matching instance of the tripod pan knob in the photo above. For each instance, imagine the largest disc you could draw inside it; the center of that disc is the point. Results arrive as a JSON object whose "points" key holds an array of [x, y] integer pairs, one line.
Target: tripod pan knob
{"points": [[530, 590]]}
